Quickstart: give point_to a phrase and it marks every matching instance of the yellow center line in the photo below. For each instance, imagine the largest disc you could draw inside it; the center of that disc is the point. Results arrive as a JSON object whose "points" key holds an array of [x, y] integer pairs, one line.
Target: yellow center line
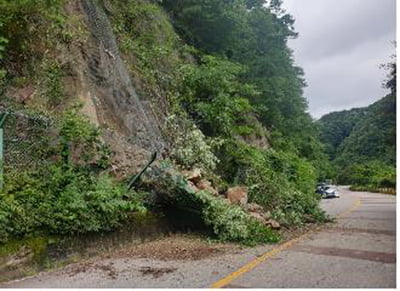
{"points": [[351, 209], [254, 263]]}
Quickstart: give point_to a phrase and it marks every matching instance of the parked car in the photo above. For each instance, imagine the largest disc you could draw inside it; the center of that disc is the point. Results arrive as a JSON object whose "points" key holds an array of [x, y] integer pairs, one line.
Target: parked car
{"points": [[327, 190]]}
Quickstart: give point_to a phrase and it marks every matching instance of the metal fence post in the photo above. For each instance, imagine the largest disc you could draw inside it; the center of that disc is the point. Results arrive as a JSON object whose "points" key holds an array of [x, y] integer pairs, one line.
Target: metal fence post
{"points": [[2, 120]]}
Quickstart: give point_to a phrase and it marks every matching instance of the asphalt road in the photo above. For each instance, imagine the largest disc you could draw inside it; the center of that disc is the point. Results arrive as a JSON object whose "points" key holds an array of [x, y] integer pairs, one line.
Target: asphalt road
{"points": [[357, 251]]}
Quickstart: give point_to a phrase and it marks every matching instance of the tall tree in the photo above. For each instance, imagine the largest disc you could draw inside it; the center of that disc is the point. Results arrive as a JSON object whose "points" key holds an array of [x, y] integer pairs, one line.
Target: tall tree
{"points": [[253, 33]]}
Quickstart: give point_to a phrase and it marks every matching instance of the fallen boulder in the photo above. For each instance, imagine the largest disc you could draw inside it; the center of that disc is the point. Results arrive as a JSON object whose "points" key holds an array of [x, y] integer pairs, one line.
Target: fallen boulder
{"points": [[237, 195], [206, 185], [273, 224], [257, 217], [193, 175], [254, 207]]}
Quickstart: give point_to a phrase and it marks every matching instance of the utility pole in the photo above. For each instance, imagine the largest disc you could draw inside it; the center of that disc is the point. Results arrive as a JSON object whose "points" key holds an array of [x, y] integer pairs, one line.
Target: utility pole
{"points": [[2, 120]]}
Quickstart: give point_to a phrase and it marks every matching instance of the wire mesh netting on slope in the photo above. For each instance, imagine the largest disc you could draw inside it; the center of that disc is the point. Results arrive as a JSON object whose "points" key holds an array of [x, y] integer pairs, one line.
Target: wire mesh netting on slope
{"points": [[25, 141]]}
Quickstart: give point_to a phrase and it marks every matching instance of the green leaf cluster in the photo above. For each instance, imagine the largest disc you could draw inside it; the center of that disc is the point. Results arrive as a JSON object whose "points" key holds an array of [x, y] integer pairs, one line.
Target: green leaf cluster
{"points": [[253, 34], [369, 175], [67, 195], [231, 223], [213, 95], [25, 27], [58, 201], [281, 182]]}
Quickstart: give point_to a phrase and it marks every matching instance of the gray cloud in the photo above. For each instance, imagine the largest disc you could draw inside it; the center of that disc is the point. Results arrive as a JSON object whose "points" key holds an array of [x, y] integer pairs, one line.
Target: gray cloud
{"points": [[341, 45]]}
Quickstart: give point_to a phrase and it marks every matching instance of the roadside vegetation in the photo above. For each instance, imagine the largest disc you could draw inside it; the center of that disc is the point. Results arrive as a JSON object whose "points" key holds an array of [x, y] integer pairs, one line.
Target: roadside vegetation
{"points": [[236, 111], [69, 194]]}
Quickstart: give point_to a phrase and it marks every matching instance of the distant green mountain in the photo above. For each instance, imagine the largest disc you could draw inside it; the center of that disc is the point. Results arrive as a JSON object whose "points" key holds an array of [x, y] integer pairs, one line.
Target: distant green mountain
{"points": [[335, 127], [373, 137], [361, 137]]}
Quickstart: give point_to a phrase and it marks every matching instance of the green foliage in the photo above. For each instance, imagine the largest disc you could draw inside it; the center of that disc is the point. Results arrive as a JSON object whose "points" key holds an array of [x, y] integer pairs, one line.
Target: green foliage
{"points": [[279, 181], [215, 97], [335, 127], [75, 127], [228, 222], [371, 175], [20, 20], [148, 40], [374, 137], [213, 26], [54, 87], [66, 196], [191, 148], [231, 223], [254, 34], [362, 140], [81, 139], [58, 201]]}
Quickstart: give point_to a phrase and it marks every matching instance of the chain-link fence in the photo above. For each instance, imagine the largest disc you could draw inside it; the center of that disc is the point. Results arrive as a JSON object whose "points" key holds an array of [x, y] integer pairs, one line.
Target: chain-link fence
{"points": [[26, 140]]}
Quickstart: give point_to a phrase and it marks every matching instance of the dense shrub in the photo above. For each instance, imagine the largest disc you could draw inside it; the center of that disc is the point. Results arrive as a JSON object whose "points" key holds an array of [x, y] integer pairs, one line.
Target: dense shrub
{"points": [[19, 21], [65, 202], [191, 148], [215, 97], [370, 176], [66, 195], [231, 223], [281, 182]]}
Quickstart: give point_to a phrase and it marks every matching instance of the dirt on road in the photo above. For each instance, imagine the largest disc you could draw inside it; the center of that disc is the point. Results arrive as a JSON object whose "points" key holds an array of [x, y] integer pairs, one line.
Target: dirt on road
{"points": [[176, 247]]}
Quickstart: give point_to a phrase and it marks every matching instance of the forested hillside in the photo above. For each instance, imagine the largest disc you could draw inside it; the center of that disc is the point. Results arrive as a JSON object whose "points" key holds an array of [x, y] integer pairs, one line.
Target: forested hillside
{"points": [[210, 86], [361, 142], [335, 127]]}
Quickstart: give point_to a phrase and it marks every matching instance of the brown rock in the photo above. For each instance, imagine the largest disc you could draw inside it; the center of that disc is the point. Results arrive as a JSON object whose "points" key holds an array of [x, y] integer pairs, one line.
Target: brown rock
{"points": [[25, 94], [206, 185], [237, 195], [254, 207], [258, 217], [273, 224], [193, 175], [203, 184], [192, 186], [267, 215]]}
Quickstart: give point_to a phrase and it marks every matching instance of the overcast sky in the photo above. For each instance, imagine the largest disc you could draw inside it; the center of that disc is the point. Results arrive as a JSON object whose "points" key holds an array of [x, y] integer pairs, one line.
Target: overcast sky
{"points": [[340, 46]]}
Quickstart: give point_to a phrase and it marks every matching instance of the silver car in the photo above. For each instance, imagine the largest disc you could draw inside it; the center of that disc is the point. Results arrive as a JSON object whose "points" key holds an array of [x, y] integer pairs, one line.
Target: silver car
{"points": [[327, 191]]}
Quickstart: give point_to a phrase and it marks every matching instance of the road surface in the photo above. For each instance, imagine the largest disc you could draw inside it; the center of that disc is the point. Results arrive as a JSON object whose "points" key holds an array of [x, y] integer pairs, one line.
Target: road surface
{"points": [[358, 251]]}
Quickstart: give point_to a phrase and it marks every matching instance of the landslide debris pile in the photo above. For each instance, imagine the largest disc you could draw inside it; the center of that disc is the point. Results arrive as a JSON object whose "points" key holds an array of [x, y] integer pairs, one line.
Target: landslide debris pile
{"points": [[123, 79]]}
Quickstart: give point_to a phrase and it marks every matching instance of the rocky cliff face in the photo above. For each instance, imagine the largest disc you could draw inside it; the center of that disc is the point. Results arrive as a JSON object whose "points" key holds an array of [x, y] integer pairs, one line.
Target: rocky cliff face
{"points": [[110, 84], [97, 75]]}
